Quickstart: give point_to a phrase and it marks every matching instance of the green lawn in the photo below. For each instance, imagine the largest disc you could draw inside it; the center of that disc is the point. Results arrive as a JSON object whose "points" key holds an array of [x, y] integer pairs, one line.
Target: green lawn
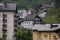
{"points": [[53, 16]]}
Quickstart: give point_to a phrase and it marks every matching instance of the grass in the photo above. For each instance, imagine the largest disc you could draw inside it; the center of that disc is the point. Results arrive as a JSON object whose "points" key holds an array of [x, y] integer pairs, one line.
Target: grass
{"points": [[52, 16]]}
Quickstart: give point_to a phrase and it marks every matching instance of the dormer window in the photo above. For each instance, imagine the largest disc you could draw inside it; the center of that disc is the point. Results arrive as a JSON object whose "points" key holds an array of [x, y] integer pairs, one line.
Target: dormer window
{"points": [[37, 18]]}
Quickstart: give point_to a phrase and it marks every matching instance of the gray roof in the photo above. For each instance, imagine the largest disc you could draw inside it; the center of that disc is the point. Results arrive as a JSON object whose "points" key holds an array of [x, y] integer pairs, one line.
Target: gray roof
{"points": [[29, 17], [9, 6], [45, 27]]}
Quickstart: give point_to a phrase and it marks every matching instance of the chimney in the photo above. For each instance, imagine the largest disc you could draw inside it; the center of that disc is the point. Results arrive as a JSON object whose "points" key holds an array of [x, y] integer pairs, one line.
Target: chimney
{"points": [[52, 25]]}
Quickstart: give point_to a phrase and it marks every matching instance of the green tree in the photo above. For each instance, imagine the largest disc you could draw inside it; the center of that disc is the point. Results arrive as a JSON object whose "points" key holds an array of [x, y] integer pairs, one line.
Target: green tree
{"points": [[0, 38], [23, 34]]}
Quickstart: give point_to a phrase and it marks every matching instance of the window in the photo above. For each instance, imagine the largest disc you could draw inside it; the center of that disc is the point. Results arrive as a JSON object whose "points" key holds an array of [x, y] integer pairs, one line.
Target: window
{"points": [[54, 36], [4, 15], [39, 22], [4, 20], [39, 38], [4, 36], [37, 18], [45, 35], [4, 25]]}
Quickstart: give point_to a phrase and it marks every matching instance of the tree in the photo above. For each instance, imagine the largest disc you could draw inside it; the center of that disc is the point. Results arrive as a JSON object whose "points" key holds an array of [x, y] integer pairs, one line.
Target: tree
{"points": [[23, 34], [0, 38]]}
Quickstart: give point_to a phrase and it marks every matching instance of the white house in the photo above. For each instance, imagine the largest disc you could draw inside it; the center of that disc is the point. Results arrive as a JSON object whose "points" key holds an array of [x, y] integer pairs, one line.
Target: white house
{"points": [[23, 13]]}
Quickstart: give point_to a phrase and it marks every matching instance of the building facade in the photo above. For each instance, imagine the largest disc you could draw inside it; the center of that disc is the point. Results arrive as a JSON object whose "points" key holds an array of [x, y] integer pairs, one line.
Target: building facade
{"points": [[22, 14], [40, 30], [45, 35], [8, 20]]}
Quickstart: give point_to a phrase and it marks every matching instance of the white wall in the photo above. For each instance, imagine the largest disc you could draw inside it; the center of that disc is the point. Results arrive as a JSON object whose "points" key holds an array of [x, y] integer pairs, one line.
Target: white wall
{"points": [[27, 24], [10, 25], [43, 14], [1, 23], [23, 13]]}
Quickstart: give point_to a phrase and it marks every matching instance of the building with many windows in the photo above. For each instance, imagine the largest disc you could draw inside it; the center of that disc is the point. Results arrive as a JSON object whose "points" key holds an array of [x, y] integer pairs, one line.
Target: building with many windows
{"points": [[8, 21]]}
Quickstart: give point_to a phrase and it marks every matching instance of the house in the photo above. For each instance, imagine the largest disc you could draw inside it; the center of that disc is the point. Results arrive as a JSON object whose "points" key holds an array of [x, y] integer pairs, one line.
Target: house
{"points": [[42, 13], [8, 21], [40, 30], [45, 31], [22, 14]]}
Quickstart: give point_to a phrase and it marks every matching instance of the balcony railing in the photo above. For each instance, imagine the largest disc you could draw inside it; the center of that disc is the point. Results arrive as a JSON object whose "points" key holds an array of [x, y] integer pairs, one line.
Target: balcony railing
{"points": [[4, 25], [4, 29], [15, 29], [4, 36], [4, 15], [4, 20], [15, 25], [15, 18]]}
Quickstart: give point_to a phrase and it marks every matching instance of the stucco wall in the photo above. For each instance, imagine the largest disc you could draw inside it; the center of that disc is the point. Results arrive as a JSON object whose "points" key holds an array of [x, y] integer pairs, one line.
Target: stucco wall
{"points": [[1, 23], [10, 25], [41, 35]]}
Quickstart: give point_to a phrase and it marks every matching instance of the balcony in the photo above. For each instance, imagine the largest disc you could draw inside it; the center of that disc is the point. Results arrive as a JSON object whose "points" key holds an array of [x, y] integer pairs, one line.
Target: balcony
{"points": [[15, 35], [4, 32], [4, 29], [4, 36], [4, 25], [16, 15], [19, 23], [4, 15], [15, 22], [15, 29], [4, 20], [15, 25], [15, 18]]}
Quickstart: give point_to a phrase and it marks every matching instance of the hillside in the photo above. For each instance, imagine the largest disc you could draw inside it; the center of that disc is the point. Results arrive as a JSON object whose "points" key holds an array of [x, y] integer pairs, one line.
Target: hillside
{"points": [[53, 16], [27, 3]]}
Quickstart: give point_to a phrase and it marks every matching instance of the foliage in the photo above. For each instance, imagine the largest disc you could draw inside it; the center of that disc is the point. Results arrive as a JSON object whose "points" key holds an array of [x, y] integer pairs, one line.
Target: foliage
{"points": [[53, 16], [23, 34], [27, 3], [0, 38]]}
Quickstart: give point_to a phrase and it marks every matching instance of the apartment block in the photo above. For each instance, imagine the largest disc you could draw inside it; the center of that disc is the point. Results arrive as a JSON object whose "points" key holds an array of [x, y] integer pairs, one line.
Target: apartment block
{"points": [[8, 21]]}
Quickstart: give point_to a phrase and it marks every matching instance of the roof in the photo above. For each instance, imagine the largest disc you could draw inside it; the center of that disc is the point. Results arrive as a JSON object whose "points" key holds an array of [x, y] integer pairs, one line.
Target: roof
{"points": [[45, 27], [40, 26], [19, 11], [8, 6], [29, 17]]}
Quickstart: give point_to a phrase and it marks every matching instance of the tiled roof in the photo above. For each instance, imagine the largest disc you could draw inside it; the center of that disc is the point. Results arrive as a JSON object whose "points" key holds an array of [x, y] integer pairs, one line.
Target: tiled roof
{"points": [[45, 27], [9, 6], [29, 17]]}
